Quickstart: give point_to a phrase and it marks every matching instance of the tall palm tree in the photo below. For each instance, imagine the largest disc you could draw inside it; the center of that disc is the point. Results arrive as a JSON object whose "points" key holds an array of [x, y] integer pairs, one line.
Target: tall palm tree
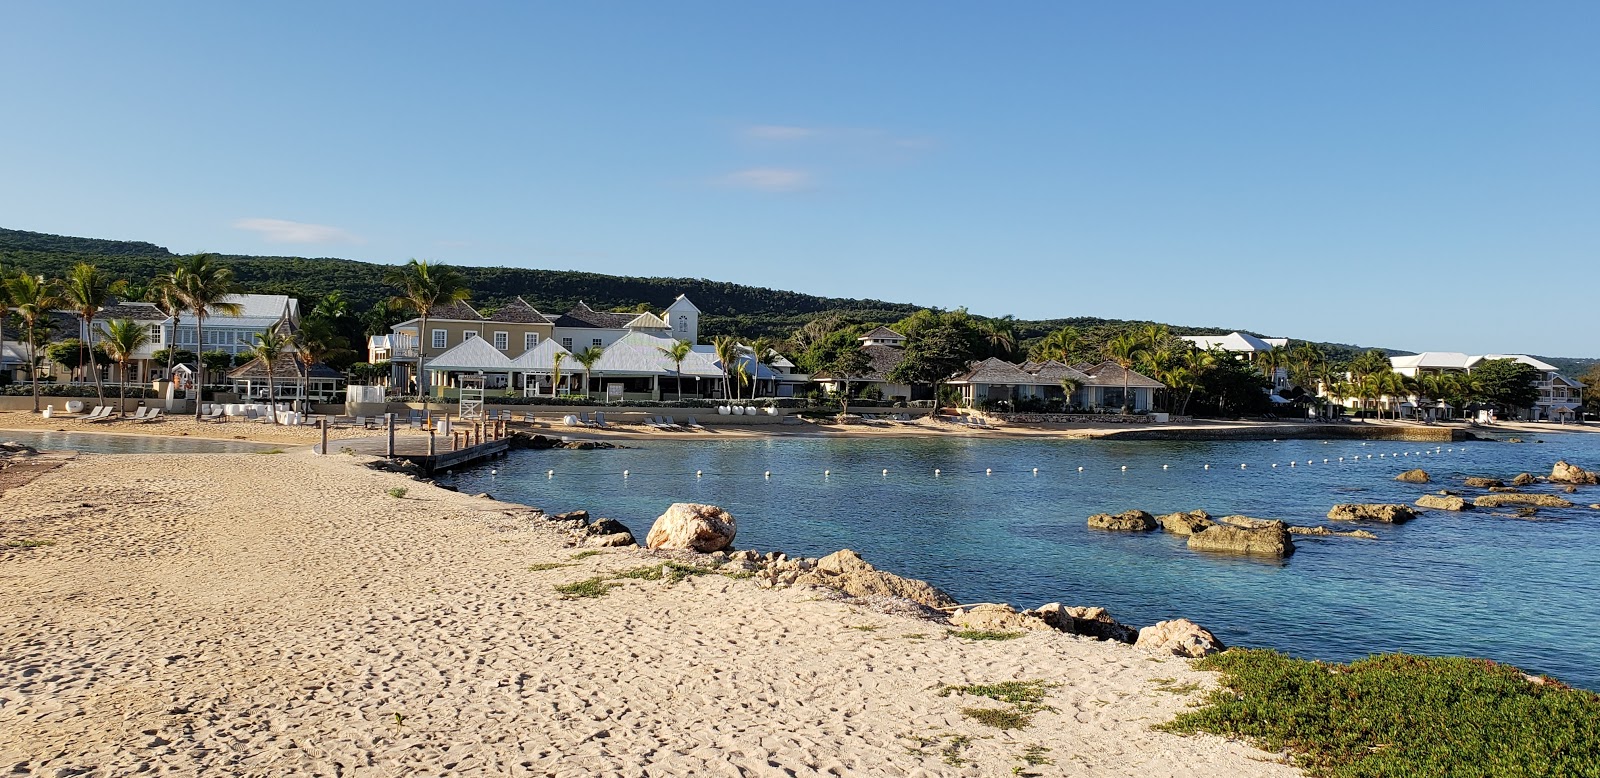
{"points": [[677, 352], [163, 292], [764, 351], [1001, 334], [425, 288], [1058, 345], [124, 337], [5, 311], [1124, 350], [555, 372], [33, 298], [726, 349], [1196, 364], [1269, 361], [588, 357], [269, 348], [741, 375], [203, 286], [86, 290], [1069, 386], [316, 341]]}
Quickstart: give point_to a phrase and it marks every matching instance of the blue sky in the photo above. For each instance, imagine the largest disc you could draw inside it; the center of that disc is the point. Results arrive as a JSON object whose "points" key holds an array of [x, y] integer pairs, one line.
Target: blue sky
{"points": [[1423, 176]]}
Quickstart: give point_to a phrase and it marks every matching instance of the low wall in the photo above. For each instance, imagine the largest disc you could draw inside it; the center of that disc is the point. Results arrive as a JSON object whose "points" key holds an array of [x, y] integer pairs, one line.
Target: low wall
{"points": [[25, 403], [1419, 434], [1078, 418]]}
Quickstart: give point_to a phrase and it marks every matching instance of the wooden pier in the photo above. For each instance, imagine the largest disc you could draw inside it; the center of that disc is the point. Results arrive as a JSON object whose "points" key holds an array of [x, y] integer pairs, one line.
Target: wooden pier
{"points": [[468, 443]]}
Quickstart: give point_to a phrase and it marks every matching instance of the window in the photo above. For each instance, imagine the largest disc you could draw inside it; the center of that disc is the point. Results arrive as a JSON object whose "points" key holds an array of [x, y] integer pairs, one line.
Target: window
{"points": [[155, 334], [441, 338], [502, 340], [530, 340], [566, 343], [468, 335], [595, 343], [683, 323]]}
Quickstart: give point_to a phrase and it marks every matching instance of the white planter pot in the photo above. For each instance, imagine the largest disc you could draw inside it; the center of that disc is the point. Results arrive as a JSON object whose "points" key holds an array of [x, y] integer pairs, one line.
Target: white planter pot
{"points": [[74, 406], [722, 410]]}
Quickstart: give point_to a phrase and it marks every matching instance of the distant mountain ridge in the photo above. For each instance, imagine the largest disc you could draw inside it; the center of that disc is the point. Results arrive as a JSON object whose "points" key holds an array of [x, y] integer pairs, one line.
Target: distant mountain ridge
{"points": [[749, 311]]}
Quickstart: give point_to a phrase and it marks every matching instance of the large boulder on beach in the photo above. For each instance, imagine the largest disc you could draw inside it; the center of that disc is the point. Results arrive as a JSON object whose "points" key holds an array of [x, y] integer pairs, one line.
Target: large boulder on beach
{"points": [[692, 527], [846, 571], [1484, 483], [1186, 523], [1566, 473], [1536, 500], [1443, 502], [1179, 637], [1418, 476], [1388, 513], [997, 618], [1271, 540], [1088, 621], [1127, 521], [1524, 479]]}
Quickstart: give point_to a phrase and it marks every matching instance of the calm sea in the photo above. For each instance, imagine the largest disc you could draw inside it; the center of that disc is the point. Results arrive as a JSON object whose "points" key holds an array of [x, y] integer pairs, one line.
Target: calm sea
{"points": [[988, 528], [101, 443]]}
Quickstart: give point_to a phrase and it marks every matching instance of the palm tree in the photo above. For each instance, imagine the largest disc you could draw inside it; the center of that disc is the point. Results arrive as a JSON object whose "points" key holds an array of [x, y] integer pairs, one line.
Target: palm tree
{"points": [[203, 286], [269, 348], [1124, 350], [164, 293], [677, 352], [587, 358], [1196, 364], [727, 351], [424, 288], [1269, 361], [86, 290], [741, 375], [124, 337], [315, 342], [5, 311], [555, 371], [764, 351], [1058, 345], [1001, 335], [33, 298], [1069, 386]]}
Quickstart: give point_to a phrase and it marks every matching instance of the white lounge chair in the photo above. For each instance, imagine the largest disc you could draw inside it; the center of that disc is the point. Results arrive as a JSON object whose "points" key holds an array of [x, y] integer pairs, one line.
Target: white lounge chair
{"points": [[215, 414], [153, 415], [99, 414], [694, 425]]}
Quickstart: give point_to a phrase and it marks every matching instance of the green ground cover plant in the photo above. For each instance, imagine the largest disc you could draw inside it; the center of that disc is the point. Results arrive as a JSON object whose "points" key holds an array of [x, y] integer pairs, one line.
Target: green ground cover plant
{"points": [[1402, 715]]}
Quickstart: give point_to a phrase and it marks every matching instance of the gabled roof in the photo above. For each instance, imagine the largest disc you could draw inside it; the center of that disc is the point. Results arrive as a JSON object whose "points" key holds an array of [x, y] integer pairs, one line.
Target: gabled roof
{"points": [[518, 311], [1053, 372], [1111, 374], [136, 311], [884, 360], [648, 321], [1234, 341], [542, 358], [639, 353], [682, 303], [472, 354], [1434, 360], [584, 316], [1538, 364], [285, 369], [882, 333], [994, 371], [455, 312]]}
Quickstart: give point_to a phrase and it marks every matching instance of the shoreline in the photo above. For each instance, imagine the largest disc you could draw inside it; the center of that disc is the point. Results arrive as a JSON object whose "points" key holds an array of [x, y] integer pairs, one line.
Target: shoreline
{"points": [[357, 606]]}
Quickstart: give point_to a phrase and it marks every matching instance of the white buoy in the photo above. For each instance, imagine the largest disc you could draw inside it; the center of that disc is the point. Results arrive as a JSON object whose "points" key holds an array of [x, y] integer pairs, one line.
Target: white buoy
{"points": [[988, 471], [886, 471], [936, 471], [1124, 468], [549, 474], [1241, 467], [1080, 468], [826, 472], [1324, 461], [624, 474], [1292, 463], [767, 474], [1036, 471], [1274, 464], [697, 474], [1208, 467], [493, 471]]}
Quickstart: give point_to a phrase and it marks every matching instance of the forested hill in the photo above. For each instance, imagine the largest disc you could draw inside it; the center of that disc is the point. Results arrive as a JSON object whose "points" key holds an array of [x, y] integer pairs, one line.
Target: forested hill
{"points": [[747, 311]]}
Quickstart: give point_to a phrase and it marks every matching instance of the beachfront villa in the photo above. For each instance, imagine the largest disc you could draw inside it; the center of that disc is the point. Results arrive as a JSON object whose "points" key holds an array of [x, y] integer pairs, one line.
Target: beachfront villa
{"points": [[1245, 346], [885, 349], [1106, 386], [1560, 397]]}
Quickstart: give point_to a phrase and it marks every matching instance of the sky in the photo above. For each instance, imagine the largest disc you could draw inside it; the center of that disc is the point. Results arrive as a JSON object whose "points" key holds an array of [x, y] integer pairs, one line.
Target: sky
{"points": [[1420, 176]]}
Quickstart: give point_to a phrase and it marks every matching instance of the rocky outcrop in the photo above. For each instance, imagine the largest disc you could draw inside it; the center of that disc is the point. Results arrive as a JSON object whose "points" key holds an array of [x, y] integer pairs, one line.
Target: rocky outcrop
{"points": [[998, 618], [1179, 637], [692, 527], [1418, 476], [1127, 521], [1537, 500], [1186, 523], [1247, 522], [1271, 541], [1091, 622], [1484, 483], [1385, 512], [1326, 532], [1566, 473], [1505, 489], [1443, 502], [1524, 479], [846, 571]]}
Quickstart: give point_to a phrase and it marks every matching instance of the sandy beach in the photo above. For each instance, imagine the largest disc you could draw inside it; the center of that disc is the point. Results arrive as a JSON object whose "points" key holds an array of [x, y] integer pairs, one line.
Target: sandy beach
{"points": [[282, 614]]}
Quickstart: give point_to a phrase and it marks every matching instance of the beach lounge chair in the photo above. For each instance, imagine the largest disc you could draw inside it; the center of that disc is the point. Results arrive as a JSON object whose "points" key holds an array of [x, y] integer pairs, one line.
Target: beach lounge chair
{"points": [[139, 413], [656, 422], [100, 413], [153, 415], [415, 419], [507, 416], [694, 425], [672, 424], [215, 414], [600, 421]]}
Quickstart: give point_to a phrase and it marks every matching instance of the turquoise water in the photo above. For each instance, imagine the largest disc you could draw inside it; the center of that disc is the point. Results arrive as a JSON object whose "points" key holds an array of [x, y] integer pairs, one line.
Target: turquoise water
{"points": [[100, 443], [1521, 591]]}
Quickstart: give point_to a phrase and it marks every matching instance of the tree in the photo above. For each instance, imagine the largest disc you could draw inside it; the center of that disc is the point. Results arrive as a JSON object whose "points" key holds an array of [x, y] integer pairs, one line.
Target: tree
{"points": [[269, 348], [555, 371], [173, 355], [938, 352], [1270, 360], [5, 309], [765, 352], [1591, 388], [677, 352], [727, 351], [86, 290], [1060, 345], [588, 357], [202, 286], [34, 298], [1124, 350], [163, 292], [849, 367], [1000, 334], [425, 288], [217, 361], [317, 341], [72, 354], [124, 337], [1508, 384]]}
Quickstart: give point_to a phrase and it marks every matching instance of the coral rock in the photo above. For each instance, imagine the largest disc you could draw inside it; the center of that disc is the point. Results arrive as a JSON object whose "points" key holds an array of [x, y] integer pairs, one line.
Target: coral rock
{"points": [[1385, 512], [1127, 521], [1179, 637], [1439, 503], [1418, 476], [693, 527]]}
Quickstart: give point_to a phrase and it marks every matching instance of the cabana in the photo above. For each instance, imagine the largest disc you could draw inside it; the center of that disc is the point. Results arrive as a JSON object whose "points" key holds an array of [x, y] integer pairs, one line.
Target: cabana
{"points": [[288, 375], [473, 356], [537, 369]]}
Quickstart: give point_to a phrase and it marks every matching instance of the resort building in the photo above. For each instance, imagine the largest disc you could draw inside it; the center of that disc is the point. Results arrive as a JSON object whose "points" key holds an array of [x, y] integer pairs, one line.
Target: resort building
{"points": [[1432, 363], [289, 376], [1560, 397], [1245, 346], [1106, 386], [885, 349]]}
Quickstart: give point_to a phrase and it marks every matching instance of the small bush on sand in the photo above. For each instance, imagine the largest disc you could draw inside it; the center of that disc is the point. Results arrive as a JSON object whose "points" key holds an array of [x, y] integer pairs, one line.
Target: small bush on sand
{"points": [[29, 543], [397, 492], [585, 554], [983, 634], [672, 571], [588, 587], [543, 566], [1025, 698], [1397, 714]]}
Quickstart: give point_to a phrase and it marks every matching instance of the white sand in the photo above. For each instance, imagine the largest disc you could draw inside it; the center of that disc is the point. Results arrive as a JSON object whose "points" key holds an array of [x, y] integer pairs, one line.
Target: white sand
{"points": [[267, 615]]}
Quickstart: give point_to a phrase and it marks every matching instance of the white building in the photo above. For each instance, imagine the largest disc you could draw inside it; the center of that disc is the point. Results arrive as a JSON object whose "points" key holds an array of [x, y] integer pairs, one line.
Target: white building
{"points": [[1245, 346], [1560, 397]]}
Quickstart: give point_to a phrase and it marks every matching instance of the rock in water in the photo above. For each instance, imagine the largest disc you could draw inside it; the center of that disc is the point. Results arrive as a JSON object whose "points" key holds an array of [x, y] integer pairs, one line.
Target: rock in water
{"points": [[1565, 473], [1248, 522], [1417, 476], [693, 527], [1271, 540], [1325, 532], [1390, 513], [1185, 523], [1538, 500], [1127, 521], [1179, 637], [1484, 483], [1439, 503], [847, 572], [1524, 479]]}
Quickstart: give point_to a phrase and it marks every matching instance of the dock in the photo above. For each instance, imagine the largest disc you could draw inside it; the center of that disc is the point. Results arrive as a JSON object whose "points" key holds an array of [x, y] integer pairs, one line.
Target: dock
{"points": [[464, 447]]}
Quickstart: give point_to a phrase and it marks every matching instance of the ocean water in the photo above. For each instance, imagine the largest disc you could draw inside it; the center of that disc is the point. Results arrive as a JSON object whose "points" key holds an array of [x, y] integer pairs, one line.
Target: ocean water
{"points": [[988, 528], [101, 443]]}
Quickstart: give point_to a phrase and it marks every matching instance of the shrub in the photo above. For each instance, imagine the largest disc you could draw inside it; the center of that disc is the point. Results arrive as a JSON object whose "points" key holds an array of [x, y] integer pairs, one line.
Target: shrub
{"points": [[983, 634], [397, 492], [1397, 714]]}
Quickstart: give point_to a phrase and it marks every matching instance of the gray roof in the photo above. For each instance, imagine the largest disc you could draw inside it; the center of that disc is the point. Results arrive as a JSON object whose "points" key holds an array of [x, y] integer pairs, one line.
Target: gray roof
{"points": [[995, 371], [1054, 372], [287, 369], [131, 310], [584, 316], [884, 360], [883, 333], [519, 311], [1111, 374], [456, 312]]}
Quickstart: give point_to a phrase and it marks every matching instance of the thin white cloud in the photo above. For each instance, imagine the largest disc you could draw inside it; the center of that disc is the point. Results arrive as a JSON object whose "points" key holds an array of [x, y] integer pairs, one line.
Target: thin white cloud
{"points": [[769, 179], [780, 132], [285, 231]]}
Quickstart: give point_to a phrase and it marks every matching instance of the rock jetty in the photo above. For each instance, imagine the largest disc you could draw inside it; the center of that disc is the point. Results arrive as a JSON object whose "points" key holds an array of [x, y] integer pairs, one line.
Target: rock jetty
{"points": [[1536, 500]]}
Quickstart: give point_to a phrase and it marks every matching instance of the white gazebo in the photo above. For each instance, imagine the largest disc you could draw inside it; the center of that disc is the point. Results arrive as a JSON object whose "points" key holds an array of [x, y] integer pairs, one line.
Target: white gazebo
{"points": [[537, 366]]}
